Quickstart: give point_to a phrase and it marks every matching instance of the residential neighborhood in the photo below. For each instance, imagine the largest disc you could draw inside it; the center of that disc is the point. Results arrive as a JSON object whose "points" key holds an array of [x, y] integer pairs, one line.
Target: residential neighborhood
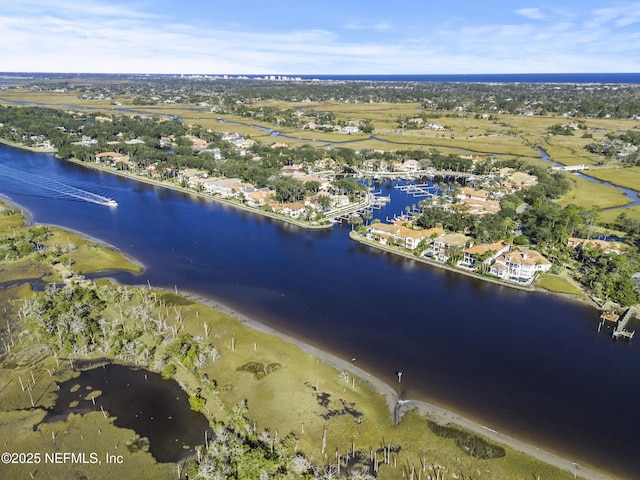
{"points": [[499, 259]]}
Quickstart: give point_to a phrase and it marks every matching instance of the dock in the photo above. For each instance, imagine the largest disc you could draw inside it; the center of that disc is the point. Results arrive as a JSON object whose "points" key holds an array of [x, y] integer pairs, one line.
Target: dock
{"points": [[419, 190], [621, 327], [374, 201]]}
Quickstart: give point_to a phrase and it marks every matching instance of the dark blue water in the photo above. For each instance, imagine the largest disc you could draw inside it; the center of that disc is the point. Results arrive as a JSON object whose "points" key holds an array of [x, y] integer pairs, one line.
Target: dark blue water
{"points": [[620, 78], [528, 364]]}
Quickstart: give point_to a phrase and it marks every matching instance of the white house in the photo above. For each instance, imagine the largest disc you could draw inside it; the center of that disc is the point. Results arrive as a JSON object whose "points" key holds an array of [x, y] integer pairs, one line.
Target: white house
{"points": [[520, 265], [409, 237]]}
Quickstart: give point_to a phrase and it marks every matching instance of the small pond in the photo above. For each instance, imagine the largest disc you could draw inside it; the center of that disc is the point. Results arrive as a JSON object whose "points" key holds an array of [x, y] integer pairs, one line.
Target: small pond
{"points": [[140, 400]]}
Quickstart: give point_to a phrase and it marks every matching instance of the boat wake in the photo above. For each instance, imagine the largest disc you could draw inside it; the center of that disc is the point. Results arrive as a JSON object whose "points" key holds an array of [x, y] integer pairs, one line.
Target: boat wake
{"points": [[55, 186]]}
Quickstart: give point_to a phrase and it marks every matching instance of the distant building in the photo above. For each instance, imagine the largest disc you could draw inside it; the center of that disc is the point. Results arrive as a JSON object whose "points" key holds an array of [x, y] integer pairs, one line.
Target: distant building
{"points": [[605, 246]]}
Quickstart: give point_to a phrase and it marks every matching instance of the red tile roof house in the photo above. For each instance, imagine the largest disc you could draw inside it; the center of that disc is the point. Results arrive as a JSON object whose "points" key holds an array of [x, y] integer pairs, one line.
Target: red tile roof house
{"points": [[260, 197], [520, 265], [112, 157], [411, 238], [294, 209], [604, 245], [472, 193], [490, 250]]}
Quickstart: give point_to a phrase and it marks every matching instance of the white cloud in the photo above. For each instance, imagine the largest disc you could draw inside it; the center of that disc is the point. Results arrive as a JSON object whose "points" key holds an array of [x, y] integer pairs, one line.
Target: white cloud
{"points": [[361, 26], [532, 13], [88, 36]]}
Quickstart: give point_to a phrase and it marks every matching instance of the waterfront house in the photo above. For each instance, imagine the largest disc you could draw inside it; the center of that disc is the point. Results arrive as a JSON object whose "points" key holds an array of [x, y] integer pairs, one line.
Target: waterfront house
{"points": [[113, 158], [260, 197], [199, 183], [488, 252], [408, 237], [294, 209], [339, 201], [409, 166], [445, 246], [188, 173], [520, 265], [229, 187]]}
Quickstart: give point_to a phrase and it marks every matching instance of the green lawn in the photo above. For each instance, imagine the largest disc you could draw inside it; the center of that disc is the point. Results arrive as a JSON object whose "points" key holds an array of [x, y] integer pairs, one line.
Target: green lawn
{"points": [[558, 284]]}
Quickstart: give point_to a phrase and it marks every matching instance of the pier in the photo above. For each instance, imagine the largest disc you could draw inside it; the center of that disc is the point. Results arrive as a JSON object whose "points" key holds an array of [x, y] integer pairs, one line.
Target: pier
{"points": [[373, 201], [621, 327], [419, 190], [415, 174]]}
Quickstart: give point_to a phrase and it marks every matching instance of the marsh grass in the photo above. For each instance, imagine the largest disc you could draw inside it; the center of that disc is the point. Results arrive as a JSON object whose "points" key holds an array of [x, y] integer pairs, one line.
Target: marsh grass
{"points": [[624, 177], [584, 193], [610, 216], [90, 433]]}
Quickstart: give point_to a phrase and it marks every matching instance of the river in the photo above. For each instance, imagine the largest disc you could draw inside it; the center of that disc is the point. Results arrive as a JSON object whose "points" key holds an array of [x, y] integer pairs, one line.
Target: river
{"points": [[528, 364]]}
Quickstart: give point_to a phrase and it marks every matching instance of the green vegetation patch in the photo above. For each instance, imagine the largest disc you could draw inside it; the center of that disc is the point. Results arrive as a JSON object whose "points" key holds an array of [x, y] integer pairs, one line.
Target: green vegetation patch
{"points": [[610, 216], [258, 369], [470, 444], [173, 300]]}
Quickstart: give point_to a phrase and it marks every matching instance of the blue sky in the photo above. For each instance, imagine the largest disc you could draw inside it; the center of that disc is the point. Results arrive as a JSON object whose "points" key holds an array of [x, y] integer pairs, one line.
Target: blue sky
{"points": [[319, 37]]}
